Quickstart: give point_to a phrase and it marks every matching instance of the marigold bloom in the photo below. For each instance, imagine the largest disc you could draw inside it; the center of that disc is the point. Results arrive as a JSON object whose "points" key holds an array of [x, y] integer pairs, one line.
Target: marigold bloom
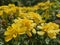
{"points": [[19, 27], [35, 17], [52, 29]]}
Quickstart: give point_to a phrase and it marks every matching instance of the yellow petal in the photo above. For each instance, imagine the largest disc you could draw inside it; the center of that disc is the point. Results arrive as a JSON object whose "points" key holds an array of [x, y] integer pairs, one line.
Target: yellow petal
{"points": [[40, 32], [14, 35], [1, 13], [34, 31], [6, 33], [29, 34], [21, 30], [52, 35], [8, 38]]}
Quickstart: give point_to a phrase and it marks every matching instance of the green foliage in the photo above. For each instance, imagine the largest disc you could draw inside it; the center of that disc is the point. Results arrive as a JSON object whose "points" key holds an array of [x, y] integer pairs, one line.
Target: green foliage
{"points": [[22, 2]]}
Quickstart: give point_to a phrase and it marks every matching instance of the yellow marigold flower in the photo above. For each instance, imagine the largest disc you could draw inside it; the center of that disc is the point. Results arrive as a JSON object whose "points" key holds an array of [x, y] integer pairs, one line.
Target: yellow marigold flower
{"points": [[58, 15], [18, 28], [28, 24], [13, 31], [31, 16], [10, 10], [4, 7], [10, 33], [50, 28], [36, 17]]}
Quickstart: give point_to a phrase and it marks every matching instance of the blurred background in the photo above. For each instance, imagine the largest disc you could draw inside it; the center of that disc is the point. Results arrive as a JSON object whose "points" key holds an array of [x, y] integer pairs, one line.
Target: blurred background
{"points": [[23, 2]]}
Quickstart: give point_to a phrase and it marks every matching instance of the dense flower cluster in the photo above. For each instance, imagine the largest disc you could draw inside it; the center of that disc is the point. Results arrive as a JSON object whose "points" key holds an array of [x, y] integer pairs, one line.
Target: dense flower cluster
{"points": [[10, 9], [42, 5], [28, 21]]}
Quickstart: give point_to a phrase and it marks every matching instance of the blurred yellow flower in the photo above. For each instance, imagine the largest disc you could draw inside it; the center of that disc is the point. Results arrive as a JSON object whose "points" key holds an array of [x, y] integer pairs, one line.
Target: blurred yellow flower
{"points": [[1, 13], [4, 7], [10, 33], [29, 26], [50, 26], [13, 31], [19, 27], [58, 15], [52, 29], [11, 5], [31, 16], [35, 17]]}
